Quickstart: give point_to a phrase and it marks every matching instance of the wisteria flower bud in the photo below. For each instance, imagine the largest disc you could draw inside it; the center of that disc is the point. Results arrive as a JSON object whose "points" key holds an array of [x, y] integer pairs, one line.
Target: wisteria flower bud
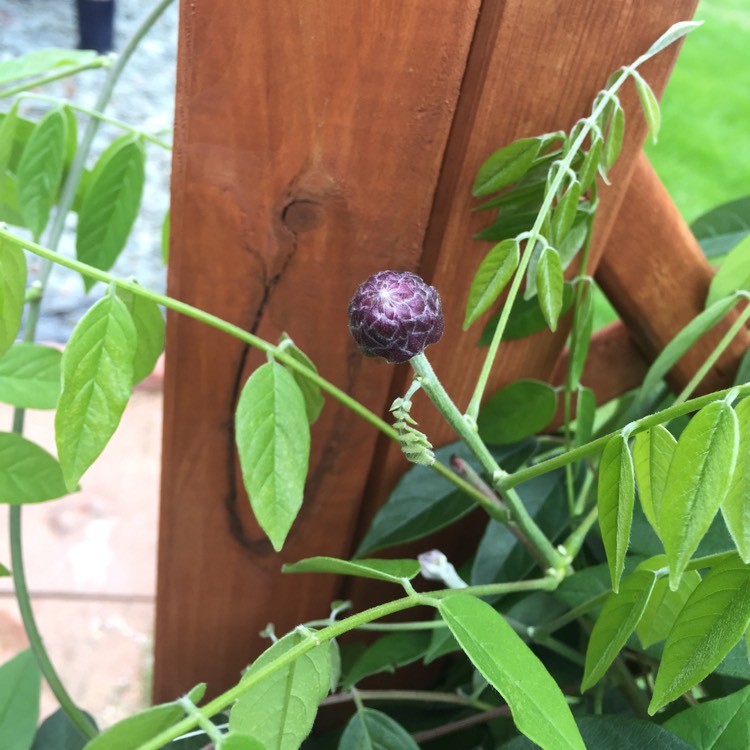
{"points": [[395, 315]]}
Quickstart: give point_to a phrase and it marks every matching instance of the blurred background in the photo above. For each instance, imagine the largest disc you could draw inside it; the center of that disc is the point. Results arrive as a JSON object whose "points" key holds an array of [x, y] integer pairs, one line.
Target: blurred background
{"points": [[91, 556]]}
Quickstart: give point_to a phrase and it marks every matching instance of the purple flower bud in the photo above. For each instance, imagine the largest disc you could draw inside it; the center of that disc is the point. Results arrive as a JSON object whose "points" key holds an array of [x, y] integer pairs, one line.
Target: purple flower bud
{"points": [[395, 315]]}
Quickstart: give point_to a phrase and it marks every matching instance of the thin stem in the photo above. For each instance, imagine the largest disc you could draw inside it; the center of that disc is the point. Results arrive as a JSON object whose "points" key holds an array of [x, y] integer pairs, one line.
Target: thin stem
{"points": [[205, 724], [467, 432], [595, 446], [726, 340], [562, 649], [542, 631], [710, 561], [99, 62], [459, 724], [576, 539], [99, 116], [422, 696]]}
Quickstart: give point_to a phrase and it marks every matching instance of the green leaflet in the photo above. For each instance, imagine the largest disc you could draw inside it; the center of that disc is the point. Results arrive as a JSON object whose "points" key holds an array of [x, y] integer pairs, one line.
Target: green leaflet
{"points": [[721, 724], [616, 623], [139, 728], [494, 272], [12, 292], [20, 685], [30, 376], [715, 617], [650, 105], [110, 204], [40, 61], [97, 376], [241, 741], [273, 441], [736, 506], [733, 274], [697, 483], [653, 450], [40, 170], [58, 732], [279, 711], [565, 212], [149, 327], [28, 474], [615, 500], [506, 166], [581, 334], [314, 401], [723, 228], [516, 411], [614, 137], [539, 708], [585, 414], [386, 654], [589, 168], [165, 238], [549, 283], [671, 35], [369, 729], [8, 135], [393, 571]]}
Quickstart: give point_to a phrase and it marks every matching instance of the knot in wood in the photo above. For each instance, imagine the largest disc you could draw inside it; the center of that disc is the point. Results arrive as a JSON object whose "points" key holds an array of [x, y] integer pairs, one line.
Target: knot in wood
{"points": [[302, 216]]}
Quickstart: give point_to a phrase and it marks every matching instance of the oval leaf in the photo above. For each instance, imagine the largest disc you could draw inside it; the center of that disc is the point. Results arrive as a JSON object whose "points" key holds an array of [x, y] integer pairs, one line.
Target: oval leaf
{"points": [[12, 291], [279, 711], [589, 168], [58, 732], [652, 454], [241, 741], [40, 61], [386, 654], [149, 328], [30, 376], [565, 212], [715, 617], [650, 106], [20, 685], [40, 170], [736, 506], [733, 273], [28, 474], [97, 376], [494, 272], [314, 401], [549, 284], [615, 500], [393, 571], [697, 482], [723, 228], [273, 440], [615, 134], [671, 35], [110, 204], [506, 166], [369, 729], [539, 708], [520, 409]]}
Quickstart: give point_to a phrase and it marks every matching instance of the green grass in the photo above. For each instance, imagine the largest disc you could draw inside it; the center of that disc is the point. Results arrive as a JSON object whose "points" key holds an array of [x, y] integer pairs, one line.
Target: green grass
{"points": [[703, 153]]}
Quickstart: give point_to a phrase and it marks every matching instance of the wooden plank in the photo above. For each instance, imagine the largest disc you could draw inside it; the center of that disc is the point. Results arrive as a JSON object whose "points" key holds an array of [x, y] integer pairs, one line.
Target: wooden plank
{"points": [[657, 278], [535, 66], [309, 137]]}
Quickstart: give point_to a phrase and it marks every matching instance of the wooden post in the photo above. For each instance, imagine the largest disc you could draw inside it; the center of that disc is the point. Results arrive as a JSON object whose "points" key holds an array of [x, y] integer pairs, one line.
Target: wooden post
{"points": [[317, 142]]}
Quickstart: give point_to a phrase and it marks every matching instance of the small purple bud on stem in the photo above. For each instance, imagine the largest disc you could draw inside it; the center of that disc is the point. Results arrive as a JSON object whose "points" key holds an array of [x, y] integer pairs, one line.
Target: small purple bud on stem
{"points": [[395, 315]]}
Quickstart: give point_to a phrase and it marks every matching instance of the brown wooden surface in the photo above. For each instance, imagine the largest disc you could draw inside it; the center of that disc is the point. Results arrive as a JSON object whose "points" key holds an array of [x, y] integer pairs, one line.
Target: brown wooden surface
{"points": [[317, 142]]}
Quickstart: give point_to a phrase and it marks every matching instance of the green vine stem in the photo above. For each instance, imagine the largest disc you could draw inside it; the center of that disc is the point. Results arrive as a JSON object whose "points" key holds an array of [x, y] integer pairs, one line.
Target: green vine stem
{"points": [[548, 583], [99, 62], [422, 696]]}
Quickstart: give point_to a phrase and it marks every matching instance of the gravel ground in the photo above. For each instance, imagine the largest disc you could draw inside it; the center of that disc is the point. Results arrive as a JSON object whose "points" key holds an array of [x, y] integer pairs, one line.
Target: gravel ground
{"points": [[144, 97]]}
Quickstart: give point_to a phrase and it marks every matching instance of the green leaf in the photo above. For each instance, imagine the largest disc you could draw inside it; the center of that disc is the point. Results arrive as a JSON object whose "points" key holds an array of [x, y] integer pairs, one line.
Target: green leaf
{"points": [[743, 371], [273, 440], [141, 727], [28, 474], [40, 61], [650, 105], [619, 618], [58, 732], [716, 616], [573, 241], [733, 274], [494, 272], [510, 222], [539, 708], [241, 741], [97, 376], [8, 127], [723, 227], [393, 571], [653, 451], [111, 203], [71, 136], [736, 506], [40, 170], [615, 133], [585, 414], [314, 401], [520, 409], [30, 376], [369, 729], [525, 318], [386, 654], [721, 724], [4, 572], [20, 685], [615, 500], [663, 607], [165, 238], [506, 166], [565, 212], [581, 335], [590, 166], [280, 710], [12, 292], [697, 483], [674, 350], [149, 328], [549, 282], [671, 35]]}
